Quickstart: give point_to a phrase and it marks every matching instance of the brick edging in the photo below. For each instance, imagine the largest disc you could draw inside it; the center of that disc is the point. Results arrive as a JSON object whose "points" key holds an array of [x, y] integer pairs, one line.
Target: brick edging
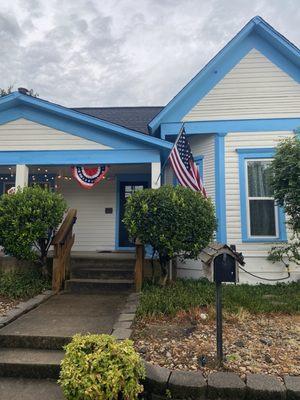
{"points": [[24, 306], [122, 327], [162, 383]]}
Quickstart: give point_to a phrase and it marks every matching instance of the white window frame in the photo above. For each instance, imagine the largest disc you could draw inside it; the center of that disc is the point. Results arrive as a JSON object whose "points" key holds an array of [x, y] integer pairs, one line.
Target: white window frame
{"points": [[248, 198]]}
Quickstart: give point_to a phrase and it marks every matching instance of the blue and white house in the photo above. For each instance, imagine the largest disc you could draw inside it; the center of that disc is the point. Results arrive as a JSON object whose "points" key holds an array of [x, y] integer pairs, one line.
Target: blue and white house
{"points": [[235, 111]]}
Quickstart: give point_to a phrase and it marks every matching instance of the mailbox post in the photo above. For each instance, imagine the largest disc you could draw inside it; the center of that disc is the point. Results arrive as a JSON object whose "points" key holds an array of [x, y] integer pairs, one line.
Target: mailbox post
{"points": [[224, 271], [221, 262]]}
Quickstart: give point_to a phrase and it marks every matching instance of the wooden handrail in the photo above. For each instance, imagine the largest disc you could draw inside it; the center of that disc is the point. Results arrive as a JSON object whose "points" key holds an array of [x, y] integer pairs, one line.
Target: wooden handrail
{"points": [[63, 242], [139, 265]]}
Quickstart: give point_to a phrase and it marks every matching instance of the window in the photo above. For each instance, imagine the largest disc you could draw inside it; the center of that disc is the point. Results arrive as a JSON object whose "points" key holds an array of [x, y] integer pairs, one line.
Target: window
{"points": [[261, 219], [262, 211]]}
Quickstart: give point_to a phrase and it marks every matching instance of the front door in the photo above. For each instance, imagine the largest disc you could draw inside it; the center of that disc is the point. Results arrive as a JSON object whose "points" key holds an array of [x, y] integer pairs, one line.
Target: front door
{"points": [[126, 190]]}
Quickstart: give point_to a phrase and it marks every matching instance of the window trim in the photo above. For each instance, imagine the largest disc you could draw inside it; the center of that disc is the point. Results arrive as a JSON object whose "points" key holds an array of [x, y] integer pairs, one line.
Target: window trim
{"points": [[249, 155]]}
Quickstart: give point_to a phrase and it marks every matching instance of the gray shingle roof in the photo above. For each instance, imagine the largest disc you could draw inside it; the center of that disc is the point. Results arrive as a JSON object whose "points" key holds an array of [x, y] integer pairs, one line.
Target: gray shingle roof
{"points": [[135, 118]]}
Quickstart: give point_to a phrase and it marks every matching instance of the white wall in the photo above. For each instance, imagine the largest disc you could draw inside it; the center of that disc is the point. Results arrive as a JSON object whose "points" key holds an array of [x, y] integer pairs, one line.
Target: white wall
{"points": [[254, 88], [27, 135], [204, 145]]}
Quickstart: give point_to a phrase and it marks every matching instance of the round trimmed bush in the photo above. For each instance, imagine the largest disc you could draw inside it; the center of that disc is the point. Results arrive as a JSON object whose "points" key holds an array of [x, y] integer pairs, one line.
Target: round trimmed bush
{"points": [[98, 367]]}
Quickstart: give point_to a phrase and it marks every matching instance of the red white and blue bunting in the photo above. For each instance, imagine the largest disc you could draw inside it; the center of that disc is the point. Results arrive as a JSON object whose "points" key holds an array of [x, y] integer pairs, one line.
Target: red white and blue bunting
{"points": [[89, 177]]}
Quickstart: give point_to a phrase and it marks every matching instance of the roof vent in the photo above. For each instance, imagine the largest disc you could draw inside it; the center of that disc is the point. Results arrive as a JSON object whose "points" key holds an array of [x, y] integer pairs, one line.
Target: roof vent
{"points": [[23, 90]]}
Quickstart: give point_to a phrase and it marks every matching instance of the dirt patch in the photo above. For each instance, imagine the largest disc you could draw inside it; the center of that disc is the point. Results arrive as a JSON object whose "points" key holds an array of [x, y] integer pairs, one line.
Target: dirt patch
{"points": [[6, 305], [266, 344]]}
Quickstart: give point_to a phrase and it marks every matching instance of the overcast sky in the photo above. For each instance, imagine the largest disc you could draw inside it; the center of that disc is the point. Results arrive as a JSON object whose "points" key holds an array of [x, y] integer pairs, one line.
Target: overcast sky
{"points": [[122, 52]]}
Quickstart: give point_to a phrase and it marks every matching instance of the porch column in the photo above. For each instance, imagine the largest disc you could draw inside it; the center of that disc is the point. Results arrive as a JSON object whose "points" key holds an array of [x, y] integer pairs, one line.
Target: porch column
{"points": [[21, 175], [155, 175]]}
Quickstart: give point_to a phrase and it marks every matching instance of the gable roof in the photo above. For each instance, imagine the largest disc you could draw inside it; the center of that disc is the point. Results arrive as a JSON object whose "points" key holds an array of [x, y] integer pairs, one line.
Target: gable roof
{"points": [[257, 33], [135, 118], [19, 103]]}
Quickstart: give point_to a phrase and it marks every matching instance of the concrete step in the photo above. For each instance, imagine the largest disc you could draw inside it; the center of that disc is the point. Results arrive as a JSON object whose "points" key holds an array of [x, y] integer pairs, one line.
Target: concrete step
{"points": [[29, 389], [33, 341], [30, 363], [102, 273], [102, 262], [92, 286]]}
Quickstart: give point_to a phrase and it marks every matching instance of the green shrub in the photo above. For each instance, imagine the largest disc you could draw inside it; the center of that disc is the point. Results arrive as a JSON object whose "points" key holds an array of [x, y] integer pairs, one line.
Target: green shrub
{"points": [[175, 221], [285, 170], [23, 284], [98, 367], [28, 220]]}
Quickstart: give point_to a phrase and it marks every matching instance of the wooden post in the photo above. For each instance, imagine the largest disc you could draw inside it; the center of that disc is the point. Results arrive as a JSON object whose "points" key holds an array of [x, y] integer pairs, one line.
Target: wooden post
{"points": [[139, 265], [63, 242]]}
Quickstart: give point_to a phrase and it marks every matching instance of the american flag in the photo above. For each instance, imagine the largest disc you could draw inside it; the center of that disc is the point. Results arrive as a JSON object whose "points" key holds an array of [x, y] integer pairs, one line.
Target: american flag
{"points": [[184, 166]]}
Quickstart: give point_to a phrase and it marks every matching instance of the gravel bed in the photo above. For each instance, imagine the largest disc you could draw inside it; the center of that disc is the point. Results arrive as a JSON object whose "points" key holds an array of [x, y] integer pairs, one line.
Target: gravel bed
{"points": [[267, 344], [6, 305]]}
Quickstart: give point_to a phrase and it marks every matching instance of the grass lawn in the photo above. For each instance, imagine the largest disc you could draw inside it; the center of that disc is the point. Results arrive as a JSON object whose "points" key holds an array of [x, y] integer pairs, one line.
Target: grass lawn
{"points": [[183, 295], [22, 284]]}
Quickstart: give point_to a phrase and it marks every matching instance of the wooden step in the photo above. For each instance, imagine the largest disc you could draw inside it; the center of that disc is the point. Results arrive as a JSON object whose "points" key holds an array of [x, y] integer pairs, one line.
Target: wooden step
{"points": [[30, 363]]}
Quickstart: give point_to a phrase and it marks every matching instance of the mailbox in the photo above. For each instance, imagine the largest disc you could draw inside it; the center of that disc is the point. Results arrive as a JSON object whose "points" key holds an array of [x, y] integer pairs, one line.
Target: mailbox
{"points": [[225, 268], [220, 262]]}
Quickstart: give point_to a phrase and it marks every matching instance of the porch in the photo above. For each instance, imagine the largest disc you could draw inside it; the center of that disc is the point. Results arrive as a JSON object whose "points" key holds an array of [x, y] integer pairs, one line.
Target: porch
{"points": [[100, 210]]}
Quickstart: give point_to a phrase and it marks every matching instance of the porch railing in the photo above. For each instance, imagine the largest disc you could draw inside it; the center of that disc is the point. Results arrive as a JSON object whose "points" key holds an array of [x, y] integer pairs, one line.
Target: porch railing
{"points": [[63, 242]]}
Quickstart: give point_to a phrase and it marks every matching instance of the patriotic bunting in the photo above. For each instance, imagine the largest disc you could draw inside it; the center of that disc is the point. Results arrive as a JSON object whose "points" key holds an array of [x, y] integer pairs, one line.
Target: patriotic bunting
{"points": [[89, 177]]}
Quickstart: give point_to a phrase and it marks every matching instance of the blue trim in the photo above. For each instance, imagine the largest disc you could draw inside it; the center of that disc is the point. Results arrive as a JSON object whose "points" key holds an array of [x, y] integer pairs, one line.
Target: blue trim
{"points": [[255, 34], [69, 157], [248, 154], [220, 195], [17, 105], [237, 125], [125, 178]]}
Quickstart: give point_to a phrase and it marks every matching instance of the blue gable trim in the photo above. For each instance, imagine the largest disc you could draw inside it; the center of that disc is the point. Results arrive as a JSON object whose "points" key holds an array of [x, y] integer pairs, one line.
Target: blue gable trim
{"points": [[220, 195], [237, 125], [69, 157], [17, 105], [256, 34], [256, 153]]}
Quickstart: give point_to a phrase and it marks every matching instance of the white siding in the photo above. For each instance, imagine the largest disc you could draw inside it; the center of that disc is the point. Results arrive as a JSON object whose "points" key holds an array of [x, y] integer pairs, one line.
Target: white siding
{"points": [[27, 135], [94, 230], [204, 145], [255, 253], [254, 88]]}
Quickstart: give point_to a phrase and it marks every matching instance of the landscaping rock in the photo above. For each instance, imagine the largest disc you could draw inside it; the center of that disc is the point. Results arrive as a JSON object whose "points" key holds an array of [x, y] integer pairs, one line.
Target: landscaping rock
{"points": [[239, 343], [292, 384], [187, 384], [157, 378], [267, 342], [264, 387], [225, 385]]}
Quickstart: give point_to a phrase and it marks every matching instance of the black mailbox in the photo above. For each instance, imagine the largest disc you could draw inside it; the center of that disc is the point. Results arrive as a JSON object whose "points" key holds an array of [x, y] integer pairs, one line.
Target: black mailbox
{"points": [[225, 268]]}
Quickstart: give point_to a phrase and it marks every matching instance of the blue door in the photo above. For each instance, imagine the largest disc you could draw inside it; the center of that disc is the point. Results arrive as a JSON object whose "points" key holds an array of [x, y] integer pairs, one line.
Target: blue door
{"points": [[126, 190]]}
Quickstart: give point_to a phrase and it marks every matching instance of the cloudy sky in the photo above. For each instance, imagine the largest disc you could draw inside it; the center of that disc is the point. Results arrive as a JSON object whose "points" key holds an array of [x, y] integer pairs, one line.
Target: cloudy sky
{"points": [[122, 52]]}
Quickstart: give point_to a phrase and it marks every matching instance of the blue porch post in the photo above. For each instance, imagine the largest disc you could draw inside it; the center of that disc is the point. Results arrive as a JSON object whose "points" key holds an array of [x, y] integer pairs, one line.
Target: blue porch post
{"points": [[220, 194]]}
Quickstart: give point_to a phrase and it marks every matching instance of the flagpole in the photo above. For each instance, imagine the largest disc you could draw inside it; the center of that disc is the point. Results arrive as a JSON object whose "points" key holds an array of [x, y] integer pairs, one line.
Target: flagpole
{"points": [[175, 143]]}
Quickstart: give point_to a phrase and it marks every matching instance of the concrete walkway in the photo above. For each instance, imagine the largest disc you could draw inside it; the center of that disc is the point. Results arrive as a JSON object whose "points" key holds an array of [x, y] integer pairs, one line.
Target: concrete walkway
{"points": [[66, 314], [31, 346]]}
